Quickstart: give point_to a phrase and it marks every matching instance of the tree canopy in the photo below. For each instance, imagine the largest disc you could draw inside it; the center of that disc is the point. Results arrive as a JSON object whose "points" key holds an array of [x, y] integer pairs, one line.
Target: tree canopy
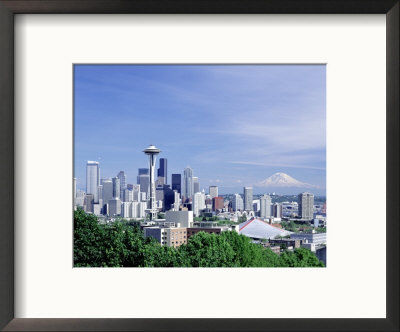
{"points": [[123, 244]]}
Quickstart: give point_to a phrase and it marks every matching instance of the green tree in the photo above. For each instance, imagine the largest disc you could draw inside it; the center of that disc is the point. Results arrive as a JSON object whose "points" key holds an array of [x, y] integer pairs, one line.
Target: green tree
{"points": [[301, 257], [207, 250]]}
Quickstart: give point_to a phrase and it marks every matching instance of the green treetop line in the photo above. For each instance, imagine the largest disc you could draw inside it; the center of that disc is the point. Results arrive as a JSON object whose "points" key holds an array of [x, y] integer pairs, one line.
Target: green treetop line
{"points": [[124, 245]]}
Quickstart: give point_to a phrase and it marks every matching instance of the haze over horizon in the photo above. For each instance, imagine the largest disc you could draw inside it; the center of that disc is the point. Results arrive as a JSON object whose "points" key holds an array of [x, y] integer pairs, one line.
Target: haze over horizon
{"points": [[235, 125]]}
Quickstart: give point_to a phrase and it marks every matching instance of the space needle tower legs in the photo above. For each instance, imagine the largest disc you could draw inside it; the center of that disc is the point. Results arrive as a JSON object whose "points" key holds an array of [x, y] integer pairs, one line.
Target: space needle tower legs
{"points": [[152, 152]]}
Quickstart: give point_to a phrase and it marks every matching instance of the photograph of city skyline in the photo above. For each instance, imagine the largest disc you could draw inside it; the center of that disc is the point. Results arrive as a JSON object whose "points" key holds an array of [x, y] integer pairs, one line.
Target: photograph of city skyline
{"points": [[199, 166]]}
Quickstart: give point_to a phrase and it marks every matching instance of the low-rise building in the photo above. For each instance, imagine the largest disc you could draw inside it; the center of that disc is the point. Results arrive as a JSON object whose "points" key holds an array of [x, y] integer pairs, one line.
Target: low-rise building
{"points": [[316, 238], [295, 243], [184, 218], [172, 237]]}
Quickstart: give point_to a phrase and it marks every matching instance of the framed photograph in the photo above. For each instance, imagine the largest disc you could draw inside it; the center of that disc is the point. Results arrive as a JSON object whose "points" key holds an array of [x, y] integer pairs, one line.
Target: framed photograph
{"points": [[179, 171]]}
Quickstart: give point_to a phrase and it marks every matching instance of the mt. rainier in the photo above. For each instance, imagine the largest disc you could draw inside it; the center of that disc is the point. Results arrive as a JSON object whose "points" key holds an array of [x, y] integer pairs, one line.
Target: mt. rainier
{"points": [[283, 180]]}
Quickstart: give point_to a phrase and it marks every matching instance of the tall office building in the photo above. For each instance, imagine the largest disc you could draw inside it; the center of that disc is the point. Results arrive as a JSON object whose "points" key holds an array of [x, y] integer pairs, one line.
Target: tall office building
{"points": [[116, 187], [277, 210], [213, 191], [217, 203], [142, 171], [248, 198], [176, 182], [196, 185], [209, 202], [115, 207], [199, 203], [128, 195], [88, 203], [92, 179], [237, 203], [162, 171], [168, 197], [136, 192], [306, 205], [100, 193], [107, 190], [187, 190], [122, 182], [265, 206], [144, 182], [177, 200]]}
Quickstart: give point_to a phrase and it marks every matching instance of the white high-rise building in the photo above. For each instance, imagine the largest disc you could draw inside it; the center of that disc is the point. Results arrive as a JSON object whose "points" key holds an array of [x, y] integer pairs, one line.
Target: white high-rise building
{"points": [[265, 206], [248, 198], [92, 179], [277, 210], [187, 190], [199, 203], [306, 205], [213, 191], [126, 209], [138, 209], [237, 203], [128, 195], [177, 200]]}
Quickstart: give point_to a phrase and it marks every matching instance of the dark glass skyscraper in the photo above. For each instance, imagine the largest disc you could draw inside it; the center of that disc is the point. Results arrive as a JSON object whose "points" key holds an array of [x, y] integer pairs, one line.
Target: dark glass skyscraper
{"points": [[142, 171], [176, 182], [162, 171]]}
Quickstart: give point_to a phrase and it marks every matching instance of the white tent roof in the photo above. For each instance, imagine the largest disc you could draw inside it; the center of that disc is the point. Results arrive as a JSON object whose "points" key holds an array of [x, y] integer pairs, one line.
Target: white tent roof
{"points": [[259, 229]]}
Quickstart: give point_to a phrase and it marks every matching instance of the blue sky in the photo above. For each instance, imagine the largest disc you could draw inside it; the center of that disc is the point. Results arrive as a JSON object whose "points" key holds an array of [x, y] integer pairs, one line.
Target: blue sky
{"points": [[235, 125]]}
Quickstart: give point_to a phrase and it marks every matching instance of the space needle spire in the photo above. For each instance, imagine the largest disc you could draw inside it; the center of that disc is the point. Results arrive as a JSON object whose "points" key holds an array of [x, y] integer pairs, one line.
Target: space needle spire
{"points": [[152, 152]]}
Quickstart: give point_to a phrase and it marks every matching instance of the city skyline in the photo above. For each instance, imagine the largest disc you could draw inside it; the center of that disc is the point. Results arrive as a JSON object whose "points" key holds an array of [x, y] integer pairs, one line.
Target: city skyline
{"points": [[232, 132]]}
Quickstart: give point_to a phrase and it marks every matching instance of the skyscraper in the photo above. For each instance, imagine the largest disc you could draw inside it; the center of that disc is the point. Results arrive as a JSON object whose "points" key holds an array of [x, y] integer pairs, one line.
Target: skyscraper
{"points": [[196, 185], [217, 203], [187, 190], [122, 183], [162, 171], [199, 203], [88, 203], [306, 205], [92, 179], [142, 171], [237, 203], [176, 182], [107, 190], [248, 198], [277, 210], [144, 182], [116, 187], [152, 152], [213, 191], [265, 206]]}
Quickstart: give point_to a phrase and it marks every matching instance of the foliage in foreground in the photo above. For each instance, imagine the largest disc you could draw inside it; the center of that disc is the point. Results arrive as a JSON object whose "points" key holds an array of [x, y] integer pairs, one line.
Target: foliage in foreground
{"points": [[121, 244]]}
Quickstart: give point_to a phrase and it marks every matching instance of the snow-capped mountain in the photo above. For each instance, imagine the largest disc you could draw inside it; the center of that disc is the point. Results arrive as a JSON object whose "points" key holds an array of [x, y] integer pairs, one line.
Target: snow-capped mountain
{"points": [[283, 180]]}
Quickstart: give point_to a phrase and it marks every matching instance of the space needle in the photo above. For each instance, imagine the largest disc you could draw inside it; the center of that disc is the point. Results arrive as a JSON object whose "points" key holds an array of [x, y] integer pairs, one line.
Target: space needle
{"points": [[152, 152]]}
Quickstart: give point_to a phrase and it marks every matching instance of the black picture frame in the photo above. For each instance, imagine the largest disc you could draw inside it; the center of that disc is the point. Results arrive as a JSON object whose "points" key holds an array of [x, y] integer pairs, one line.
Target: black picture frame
{"points": [[11, 7]]}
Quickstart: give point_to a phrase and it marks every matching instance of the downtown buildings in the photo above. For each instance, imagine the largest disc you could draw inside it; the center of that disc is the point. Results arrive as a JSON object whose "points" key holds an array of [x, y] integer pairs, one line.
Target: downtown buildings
{"points": [[151, 197]]}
